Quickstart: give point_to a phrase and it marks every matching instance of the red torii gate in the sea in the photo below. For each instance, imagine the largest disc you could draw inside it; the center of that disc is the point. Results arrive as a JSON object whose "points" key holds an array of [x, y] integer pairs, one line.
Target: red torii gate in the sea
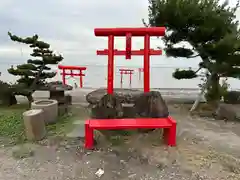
{"points": [[128, 33], [126, 71], [140, 71], [133, 53], [71, 69]]}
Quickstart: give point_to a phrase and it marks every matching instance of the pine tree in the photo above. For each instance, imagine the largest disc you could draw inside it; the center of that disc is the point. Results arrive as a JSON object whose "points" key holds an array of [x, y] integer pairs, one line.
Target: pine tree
{"points": [[34, 73], [211, 30]]}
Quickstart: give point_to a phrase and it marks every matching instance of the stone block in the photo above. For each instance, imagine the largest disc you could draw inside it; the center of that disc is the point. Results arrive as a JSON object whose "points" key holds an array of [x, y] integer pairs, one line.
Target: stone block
{"points": [[49, 107], [34, 124]]}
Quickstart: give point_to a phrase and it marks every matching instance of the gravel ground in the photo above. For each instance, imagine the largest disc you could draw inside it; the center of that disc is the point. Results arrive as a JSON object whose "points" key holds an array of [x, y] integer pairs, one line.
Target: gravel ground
{"points": [[207, 149]]}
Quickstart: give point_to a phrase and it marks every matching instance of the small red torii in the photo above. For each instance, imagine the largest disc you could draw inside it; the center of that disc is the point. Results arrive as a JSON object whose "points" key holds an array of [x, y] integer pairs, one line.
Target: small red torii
{"points": [[71, 69], [128, 33], [126, 71], [140, 71]]}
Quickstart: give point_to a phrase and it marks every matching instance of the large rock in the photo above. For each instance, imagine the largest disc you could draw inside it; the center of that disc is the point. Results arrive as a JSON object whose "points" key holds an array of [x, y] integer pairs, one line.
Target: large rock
{"points": [[123, 95], [151, 105], [228, 112], [109, 107]]}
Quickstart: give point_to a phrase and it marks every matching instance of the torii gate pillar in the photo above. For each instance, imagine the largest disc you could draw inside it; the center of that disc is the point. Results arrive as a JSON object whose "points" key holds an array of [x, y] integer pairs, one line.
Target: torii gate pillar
{"points": [[128, 33]]}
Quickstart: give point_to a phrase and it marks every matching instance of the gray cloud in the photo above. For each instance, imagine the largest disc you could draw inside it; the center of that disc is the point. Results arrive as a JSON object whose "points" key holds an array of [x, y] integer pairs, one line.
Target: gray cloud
{"points": [[68, 26]]}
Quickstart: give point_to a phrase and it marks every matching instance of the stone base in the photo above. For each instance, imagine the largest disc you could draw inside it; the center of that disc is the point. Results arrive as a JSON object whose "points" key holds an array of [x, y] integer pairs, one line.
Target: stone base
{"points": [[63, 109], [68, 99]]}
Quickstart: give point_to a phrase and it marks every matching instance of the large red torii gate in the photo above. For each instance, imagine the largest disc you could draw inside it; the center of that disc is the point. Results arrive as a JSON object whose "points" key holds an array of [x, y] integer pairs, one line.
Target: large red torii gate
{"points": [[128, 33]]}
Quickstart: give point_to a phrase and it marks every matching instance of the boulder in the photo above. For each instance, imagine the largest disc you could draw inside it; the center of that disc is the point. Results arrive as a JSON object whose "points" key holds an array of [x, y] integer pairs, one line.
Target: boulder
{"points": [[123, 95], [151, 105], [229, 112], [109, 107]]}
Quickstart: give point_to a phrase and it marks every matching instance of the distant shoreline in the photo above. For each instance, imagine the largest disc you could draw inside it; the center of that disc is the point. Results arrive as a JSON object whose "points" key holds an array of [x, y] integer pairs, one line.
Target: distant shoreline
{"points": [[79, 95]]}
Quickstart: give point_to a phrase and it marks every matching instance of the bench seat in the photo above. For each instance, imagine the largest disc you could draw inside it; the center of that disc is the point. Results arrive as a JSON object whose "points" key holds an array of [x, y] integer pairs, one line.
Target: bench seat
{"points": [[168, 124]]}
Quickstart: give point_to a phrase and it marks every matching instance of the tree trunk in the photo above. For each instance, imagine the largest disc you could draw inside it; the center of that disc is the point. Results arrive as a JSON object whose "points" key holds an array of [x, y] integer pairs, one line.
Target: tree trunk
{"points": [[213, 91], [197, 101], [30, 100]]}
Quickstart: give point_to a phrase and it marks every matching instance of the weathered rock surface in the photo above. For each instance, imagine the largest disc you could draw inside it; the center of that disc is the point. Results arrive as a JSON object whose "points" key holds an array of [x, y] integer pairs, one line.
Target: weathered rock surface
{"points": [[151, 105], [229, 112], [123, 95], [109, 107], [128, 104]]}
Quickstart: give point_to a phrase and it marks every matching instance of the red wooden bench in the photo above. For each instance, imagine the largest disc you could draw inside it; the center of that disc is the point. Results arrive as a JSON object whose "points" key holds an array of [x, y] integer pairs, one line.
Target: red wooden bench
{"points": [[168, 124]]}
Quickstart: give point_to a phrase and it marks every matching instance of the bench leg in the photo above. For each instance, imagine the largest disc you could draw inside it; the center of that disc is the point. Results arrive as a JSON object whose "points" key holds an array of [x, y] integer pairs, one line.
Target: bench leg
{"points": [[89, 139], [172, 135], [166, 135]]}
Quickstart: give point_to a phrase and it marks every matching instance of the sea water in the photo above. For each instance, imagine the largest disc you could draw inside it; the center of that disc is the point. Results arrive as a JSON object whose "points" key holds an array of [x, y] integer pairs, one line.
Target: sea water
{"points": [[96, 76]]}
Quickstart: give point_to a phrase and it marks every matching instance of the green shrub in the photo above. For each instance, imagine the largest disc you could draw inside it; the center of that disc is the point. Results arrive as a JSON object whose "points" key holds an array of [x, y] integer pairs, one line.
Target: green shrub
{"points": [[232, 97], [6, 94]]}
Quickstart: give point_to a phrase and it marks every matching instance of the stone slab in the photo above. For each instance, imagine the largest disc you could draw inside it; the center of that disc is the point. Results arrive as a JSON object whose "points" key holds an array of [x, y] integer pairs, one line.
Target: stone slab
{"points": [[78, 131], [79, 122]]}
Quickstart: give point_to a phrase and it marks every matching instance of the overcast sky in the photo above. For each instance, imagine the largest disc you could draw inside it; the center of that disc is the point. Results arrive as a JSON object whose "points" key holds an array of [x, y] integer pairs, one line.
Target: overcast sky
{"points": [[68, 26]]}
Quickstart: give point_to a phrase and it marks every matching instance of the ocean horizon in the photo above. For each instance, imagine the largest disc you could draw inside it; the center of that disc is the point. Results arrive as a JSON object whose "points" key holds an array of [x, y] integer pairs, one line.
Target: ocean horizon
{"points": [[96, 76]]}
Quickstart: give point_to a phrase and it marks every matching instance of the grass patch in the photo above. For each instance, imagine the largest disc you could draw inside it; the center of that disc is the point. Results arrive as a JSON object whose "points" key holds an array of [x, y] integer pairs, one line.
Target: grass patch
{"points": [[118, 137], [11, 123], [61, 126], [65, 122], [116, 140], [12, 126]]}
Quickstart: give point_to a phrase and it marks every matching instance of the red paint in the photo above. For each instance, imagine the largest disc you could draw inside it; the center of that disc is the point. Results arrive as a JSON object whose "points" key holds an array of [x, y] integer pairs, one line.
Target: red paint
{"points": [[152, 31], [110, 64], [146, 64], [140, 71], [168, 124], [128, 45], [126, 71], [133, 52], [71, 68], [129, 33]]}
